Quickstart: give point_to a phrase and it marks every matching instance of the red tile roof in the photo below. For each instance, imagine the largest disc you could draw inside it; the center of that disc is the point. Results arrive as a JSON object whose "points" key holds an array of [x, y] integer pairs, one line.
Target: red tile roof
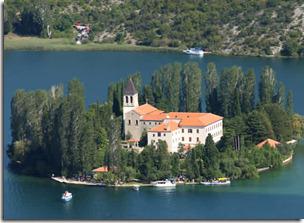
{"points": [[145, 109], [101, 169], [165, 127], [272, 143], [195, 119], [190, 119], [133, 140], [156, 115]]}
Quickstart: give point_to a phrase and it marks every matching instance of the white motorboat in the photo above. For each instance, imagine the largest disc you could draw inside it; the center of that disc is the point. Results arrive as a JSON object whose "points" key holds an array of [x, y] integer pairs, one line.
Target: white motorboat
{"points": [[136, 187], [218, 181], [164, 183], [66, 196], [194, 51]]}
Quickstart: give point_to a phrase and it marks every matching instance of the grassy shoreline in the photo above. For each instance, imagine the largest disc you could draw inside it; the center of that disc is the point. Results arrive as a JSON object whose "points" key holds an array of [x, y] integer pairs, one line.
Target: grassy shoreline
{"points": [[64, 44], [17, 43]]}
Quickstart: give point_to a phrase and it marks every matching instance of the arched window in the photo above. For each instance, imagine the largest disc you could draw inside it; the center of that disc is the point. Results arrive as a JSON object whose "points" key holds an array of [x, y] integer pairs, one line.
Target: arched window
{"points": [[127, 99], [131, 97]]}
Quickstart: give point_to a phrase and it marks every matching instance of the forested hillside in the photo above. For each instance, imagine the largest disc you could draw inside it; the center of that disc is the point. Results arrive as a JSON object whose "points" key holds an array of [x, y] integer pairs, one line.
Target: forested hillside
{"points": [[252, 27]]}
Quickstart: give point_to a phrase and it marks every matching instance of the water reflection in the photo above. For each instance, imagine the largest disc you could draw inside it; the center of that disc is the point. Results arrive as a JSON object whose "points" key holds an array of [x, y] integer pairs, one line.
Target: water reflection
{"points": [[165, 190], [67, 205]]}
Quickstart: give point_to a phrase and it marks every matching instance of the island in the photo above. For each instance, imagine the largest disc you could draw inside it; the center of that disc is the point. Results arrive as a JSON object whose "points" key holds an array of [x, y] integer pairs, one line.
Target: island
{"points": [[158, 130]]}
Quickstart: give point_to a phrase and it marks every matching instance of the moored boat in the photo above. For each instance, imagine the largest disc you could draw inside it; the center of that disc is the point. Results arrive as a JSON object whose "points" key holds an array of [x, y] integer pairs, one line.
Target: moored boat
{"points": [[66, 196], [136, 187], [164, 183], [218, 181], [194, 51]]}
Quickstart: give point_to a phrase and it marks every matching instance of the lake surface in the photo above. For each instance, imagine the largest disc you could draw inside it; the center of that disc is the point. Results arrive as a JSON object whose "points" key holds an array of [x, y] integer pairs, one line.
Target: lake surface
{"points": [[277, 194]]}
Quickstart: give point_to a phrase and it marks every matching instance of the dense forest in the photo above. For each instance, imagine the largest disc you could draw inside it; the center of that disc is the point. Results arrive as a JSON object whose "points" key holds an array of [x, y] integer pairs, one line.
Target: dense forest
{"points": [[253, 27], [54, 133]]}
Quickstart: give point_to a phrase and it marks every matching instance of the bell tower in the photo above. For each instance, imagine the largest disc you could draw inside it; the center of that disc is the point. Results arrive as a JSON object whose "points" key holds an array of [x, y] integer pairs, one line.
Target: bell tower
{"points": [[130, 97]]}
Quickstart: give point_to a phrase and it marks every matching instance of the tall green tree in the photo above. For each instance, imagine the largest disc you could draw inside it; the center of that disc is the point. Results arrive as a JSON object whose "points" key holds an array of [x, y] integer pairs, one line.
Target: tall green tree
{"points": [[280, 95], [289, 102], [211, 159], [231, 93], [148, 95], [280, 121], [267, 85], [258, 127], [111, 159], [248, 102], [211, 84], [166, 87], [191, 87], [173, 81]]}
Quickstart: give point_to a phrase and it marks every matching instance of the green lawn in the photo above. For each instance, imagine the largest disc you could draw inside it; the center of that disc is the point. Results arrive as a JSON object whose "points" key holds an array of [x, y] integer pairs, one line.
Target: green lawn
{"points": [[60, 44]]}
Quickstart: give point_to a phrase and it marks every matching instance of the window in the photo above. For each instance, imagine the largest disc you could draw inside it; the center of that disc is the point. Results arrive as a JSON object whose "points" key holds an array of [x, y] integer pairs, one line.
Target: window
{"points": [[129, 122], [144, 123], [197, 139], [197, 131], [131, 97], [149, 123], [190, 139], [182, 130], [153, 135], [158, 134], [136, 122], [164, 134], [189, 130], [183, 139], [127, 99]]}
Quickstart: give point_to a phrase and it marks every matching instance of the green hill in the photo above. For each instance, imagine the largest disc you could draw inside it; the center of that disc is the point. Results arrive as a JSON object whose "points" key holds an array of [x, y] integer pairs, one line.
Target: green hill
{"points": [[252, 27]]}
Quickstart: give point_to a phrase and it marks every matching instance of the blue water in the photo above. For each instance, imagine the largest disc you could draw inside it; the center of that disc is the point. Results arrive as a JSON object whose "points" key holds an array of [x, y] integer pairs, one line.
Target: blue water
{"points": [[277, 194]]}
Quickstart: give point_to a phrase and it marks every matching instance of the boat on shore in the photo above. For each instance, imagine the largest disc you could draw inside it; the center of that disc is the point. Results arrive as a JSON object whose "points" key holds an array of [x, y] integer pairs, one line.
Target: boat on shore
{"points": [[218, 181], [66, 196], [194, 51], [164, 183]]}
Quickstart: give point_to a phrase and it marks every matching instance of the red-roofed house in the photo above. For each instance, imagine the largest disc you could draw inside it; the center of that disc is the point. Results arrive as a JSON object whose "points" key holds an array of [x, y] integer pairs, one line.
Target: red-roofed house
{"points": [[101, 169], [272, 143], [187, 128]]}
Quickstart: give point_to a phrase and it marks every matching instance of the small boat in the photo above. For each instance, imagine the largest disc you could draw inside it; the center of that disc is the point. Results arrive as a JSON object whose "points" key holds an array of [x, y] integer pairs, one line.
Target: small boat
{"points": [[136, 187], [218, 181], [66, 196], [164, 183], [194, 51]]}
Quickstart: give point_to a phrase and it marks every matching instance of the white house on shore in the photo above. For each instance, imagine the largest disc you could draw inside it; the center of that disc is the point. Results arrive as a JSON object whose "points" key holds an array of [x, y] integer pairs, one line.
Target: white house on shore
{"points": [[186, 128]]}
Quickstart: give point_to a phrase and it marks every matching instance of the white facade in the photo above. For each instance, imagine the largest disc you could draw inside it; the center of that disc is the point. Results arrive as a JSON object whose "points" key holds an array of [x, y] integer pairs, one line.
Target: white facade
{"points": [[187, 135], [172, 139]]}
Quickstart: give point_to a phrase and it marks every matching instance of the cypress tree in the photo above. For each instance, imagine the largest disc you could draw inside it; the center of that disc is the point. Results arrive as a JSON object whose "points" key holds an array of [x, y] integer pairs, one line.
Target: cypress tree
{"points": [[289, 102], [148, 95], [231, 81], [191, 87], [280, 95], [248, 103], [174, 71], [211, 158], [211, 84], [267, 85]]}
